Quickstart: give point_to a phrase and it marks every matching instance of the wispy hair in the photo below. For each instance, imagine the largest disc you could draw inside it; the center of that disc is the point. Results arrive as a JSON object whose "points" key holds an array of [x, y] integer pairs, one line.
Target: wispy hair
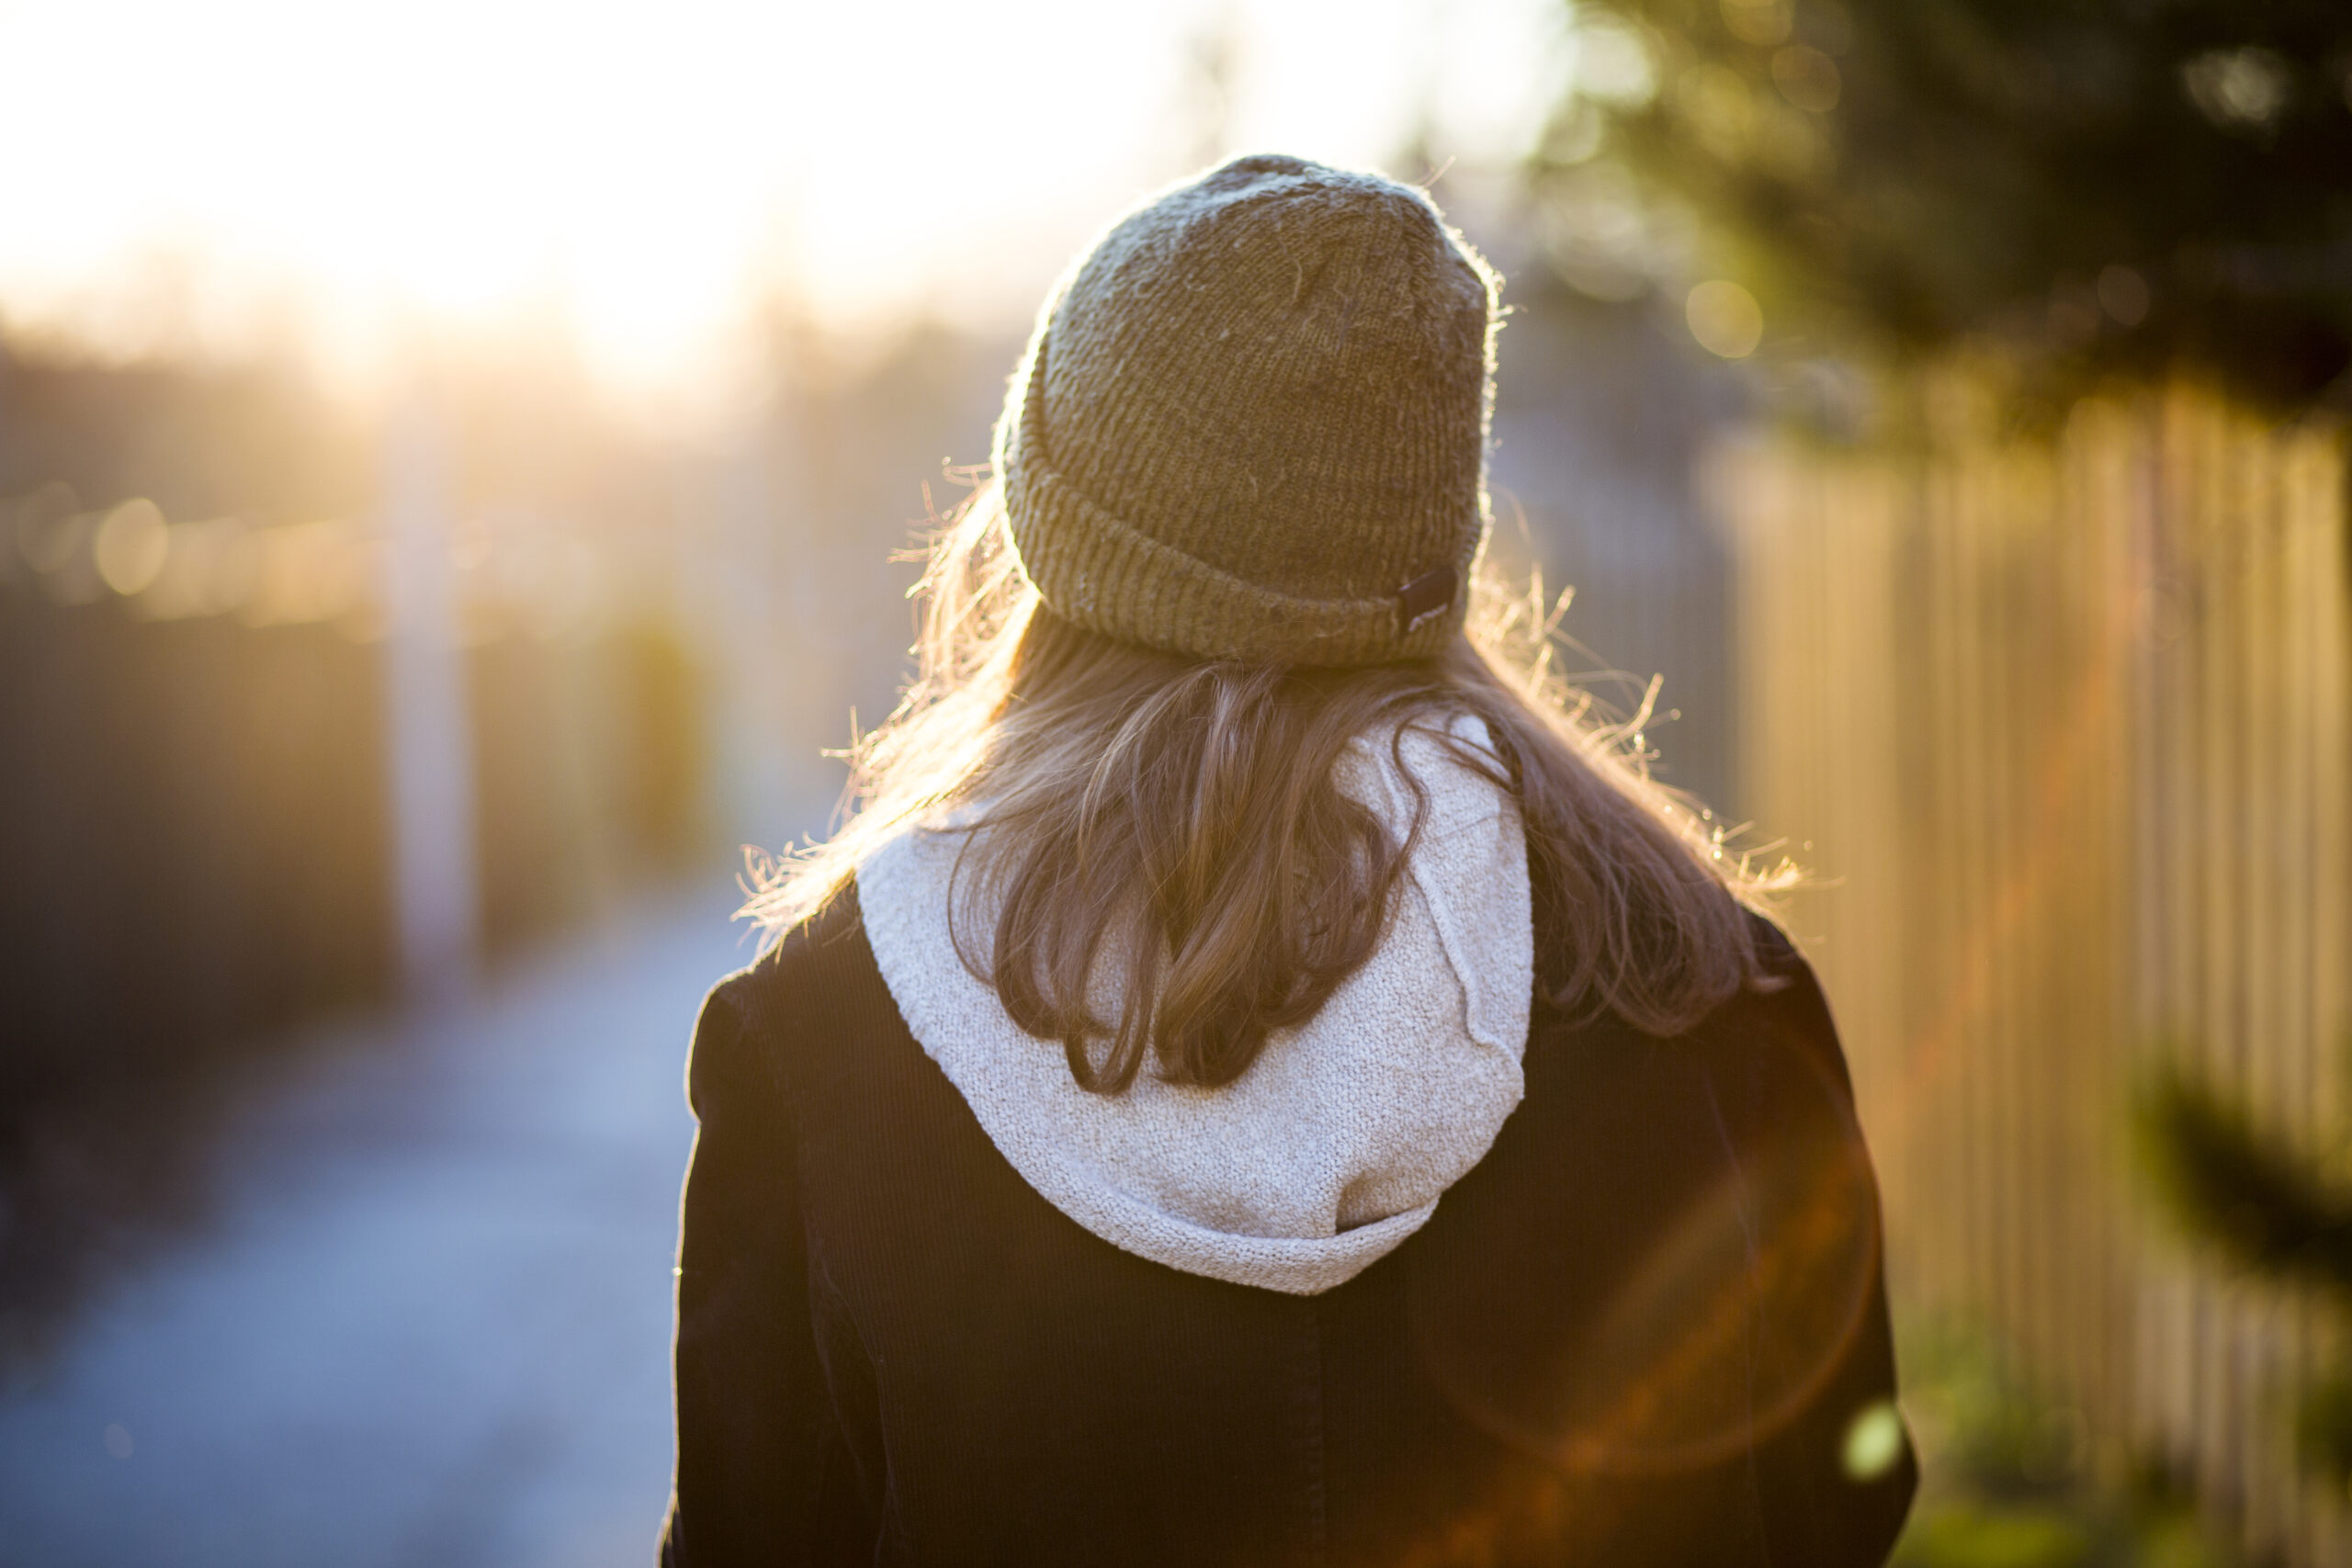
{"points": [[1182, 823]]}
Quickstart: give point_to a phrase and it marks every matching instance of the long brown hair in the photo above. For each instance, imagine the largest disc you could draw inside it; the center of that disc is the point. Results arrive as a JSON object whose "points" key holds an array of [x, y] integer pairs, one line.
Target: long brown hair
{"points": [[1184, 820]]}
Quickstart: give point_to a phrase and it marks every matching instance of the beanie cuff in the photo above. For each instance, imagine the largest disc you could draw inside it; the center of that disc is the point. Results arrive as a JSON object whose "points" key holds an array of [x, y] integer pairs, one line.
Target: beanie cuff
{"points": [[1100, 572]]}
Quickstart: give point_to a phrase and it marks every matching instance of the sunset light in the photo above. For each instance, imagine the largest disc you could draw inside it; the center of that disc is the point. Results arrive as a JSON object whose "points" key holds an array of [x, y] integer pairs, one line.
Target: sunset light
{"points": [[349, 177], [1175, 782]]}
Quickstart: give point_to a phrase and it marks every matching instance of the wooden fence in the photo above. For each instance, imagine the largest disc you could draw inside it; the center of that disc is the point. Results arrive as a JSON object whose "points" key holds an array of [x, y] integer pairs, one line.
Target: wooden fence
{"points": [[2065, 730]]}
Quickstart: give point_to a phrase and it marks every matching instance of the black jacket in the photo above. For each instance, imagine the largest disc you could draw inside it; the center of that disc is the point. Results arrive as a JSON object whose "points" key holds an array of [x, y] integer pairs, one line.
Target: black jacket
{"points": [[1646, 1329]]}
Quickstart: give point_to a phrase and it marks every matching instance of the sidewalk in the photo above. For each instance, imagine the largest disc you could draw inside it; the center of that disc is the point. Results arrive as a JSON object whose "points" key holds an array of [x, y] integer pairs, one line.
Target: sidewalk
{"points": [[429, 1324]]}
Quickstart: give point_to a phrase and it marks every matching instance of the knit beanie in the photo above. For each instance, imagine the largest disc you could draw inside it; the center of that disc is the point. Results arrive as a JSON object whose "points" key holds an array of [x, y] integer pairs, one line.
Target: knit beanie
{"points": [[1251, 422]]}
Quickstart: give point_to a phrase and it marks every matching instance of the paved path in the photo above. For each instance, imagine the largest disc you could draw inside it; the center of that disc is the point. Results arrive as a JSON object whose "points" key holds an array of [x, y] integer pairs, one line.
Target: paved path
{"points": [[429, 1323]]}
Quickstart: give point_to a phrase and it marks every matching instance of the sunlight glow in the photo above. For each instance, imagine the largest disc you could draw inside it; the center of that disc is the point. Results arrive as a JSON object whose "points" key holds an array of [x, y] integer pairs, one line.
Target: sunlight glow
{"points": [[640, 182]]}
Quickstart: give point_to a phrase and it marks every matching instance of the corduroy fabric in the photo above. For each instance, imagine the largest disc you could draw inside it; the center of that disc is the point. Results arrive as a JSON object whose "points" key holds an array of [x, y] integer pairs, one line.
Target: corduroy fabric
{"points": [[892, 1351], [1253, 413]]}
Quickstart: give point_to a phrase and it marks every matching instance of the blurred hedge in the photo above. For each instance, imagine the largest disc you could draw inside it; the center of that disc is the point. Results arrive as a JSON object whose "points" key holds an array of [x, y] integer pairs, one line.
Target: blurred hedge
{"points": [[195, 831]]}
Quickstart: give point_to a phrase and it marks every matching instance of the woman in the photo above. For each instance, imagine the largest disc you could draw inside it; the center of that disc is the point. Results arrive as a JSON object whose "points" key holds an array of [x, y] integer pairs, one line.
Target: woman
{"points": [[1262, 1077]]}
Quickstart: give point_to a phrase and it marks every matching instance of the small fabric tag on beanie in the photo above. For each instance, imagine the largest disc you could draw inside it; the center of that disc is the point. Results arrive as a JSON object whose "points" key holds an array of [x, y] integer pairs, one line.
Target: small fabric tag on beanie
{"points": [[1427, 595]]}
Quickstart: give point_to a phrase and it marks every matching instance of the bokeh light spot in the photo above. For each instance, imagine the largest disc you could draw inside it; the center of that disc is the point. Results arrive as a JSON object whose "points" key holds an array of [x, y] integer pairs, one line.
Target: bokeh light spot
{"points": [[45, 526], [1873, 1441], [2240, 89], [131, 545], [1613, 65], [1716, 103], [1807, 78], [1725, 319], [2124, 293]]}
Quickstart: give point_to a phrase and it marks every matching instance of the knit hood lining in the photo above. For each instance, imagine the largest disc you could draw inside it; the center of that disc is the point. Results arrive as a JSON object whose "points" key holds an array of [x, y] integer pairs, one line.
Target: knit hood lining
{"points": [[1339, 1140]]}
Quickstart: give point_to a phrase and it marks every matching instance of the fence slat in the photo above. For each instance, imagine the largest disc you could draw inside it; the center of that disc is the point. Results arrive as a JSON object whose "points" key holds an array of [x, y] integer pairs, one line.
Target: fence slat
{"points": [[2064, 731]]}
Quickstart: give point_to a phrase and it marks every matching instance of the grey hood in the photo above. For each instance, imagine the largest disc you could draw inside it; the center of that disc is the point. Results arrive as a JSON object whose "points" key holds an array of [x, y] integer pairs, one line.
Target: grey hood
{"points": [[1339, 1141]]}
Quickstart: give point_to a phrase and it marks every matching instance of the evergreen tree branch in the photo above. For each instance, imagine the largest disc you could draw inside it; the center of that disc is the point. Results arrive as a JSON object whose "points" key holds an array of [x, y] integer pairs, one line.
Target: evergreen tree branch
{"points": [[2242, 1192]]}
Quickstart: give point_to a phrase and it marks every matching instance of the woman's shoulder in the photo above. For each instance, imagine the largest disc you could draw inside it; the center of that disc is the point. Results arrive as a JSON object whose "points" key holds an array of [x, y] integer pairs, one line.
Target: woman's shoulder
{"points": [[1783, 1004], [1787, 998], [815, 978]]}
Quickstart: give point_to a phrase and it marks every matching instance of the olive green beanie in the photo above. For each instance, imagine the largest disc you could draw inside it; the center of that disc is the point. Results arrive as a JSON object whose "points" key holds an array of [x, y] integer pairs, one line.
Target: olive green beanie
{"points": [[1252, 422]]}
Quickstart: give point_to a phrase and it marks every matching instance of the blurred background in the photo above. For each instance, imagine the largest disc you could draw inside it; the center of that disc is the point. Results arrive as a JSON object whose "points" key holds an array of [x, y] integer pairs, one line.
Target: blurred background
{"points": [[456, 463]]}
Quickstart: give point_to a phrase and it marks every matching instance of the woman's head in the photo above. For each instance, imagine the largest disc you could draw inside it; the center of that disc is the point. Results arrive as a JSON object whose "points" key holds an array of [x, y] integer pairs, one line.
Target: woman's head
{"points": [[1238, 508], [1251, 422], [1182, 820]]}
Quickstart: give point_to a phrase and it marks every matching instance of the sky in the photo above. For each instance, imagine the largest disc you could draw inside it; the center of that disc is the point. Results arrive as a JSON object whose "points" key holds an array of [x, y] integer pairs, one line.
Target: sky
{"points": [[637, 181]]}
